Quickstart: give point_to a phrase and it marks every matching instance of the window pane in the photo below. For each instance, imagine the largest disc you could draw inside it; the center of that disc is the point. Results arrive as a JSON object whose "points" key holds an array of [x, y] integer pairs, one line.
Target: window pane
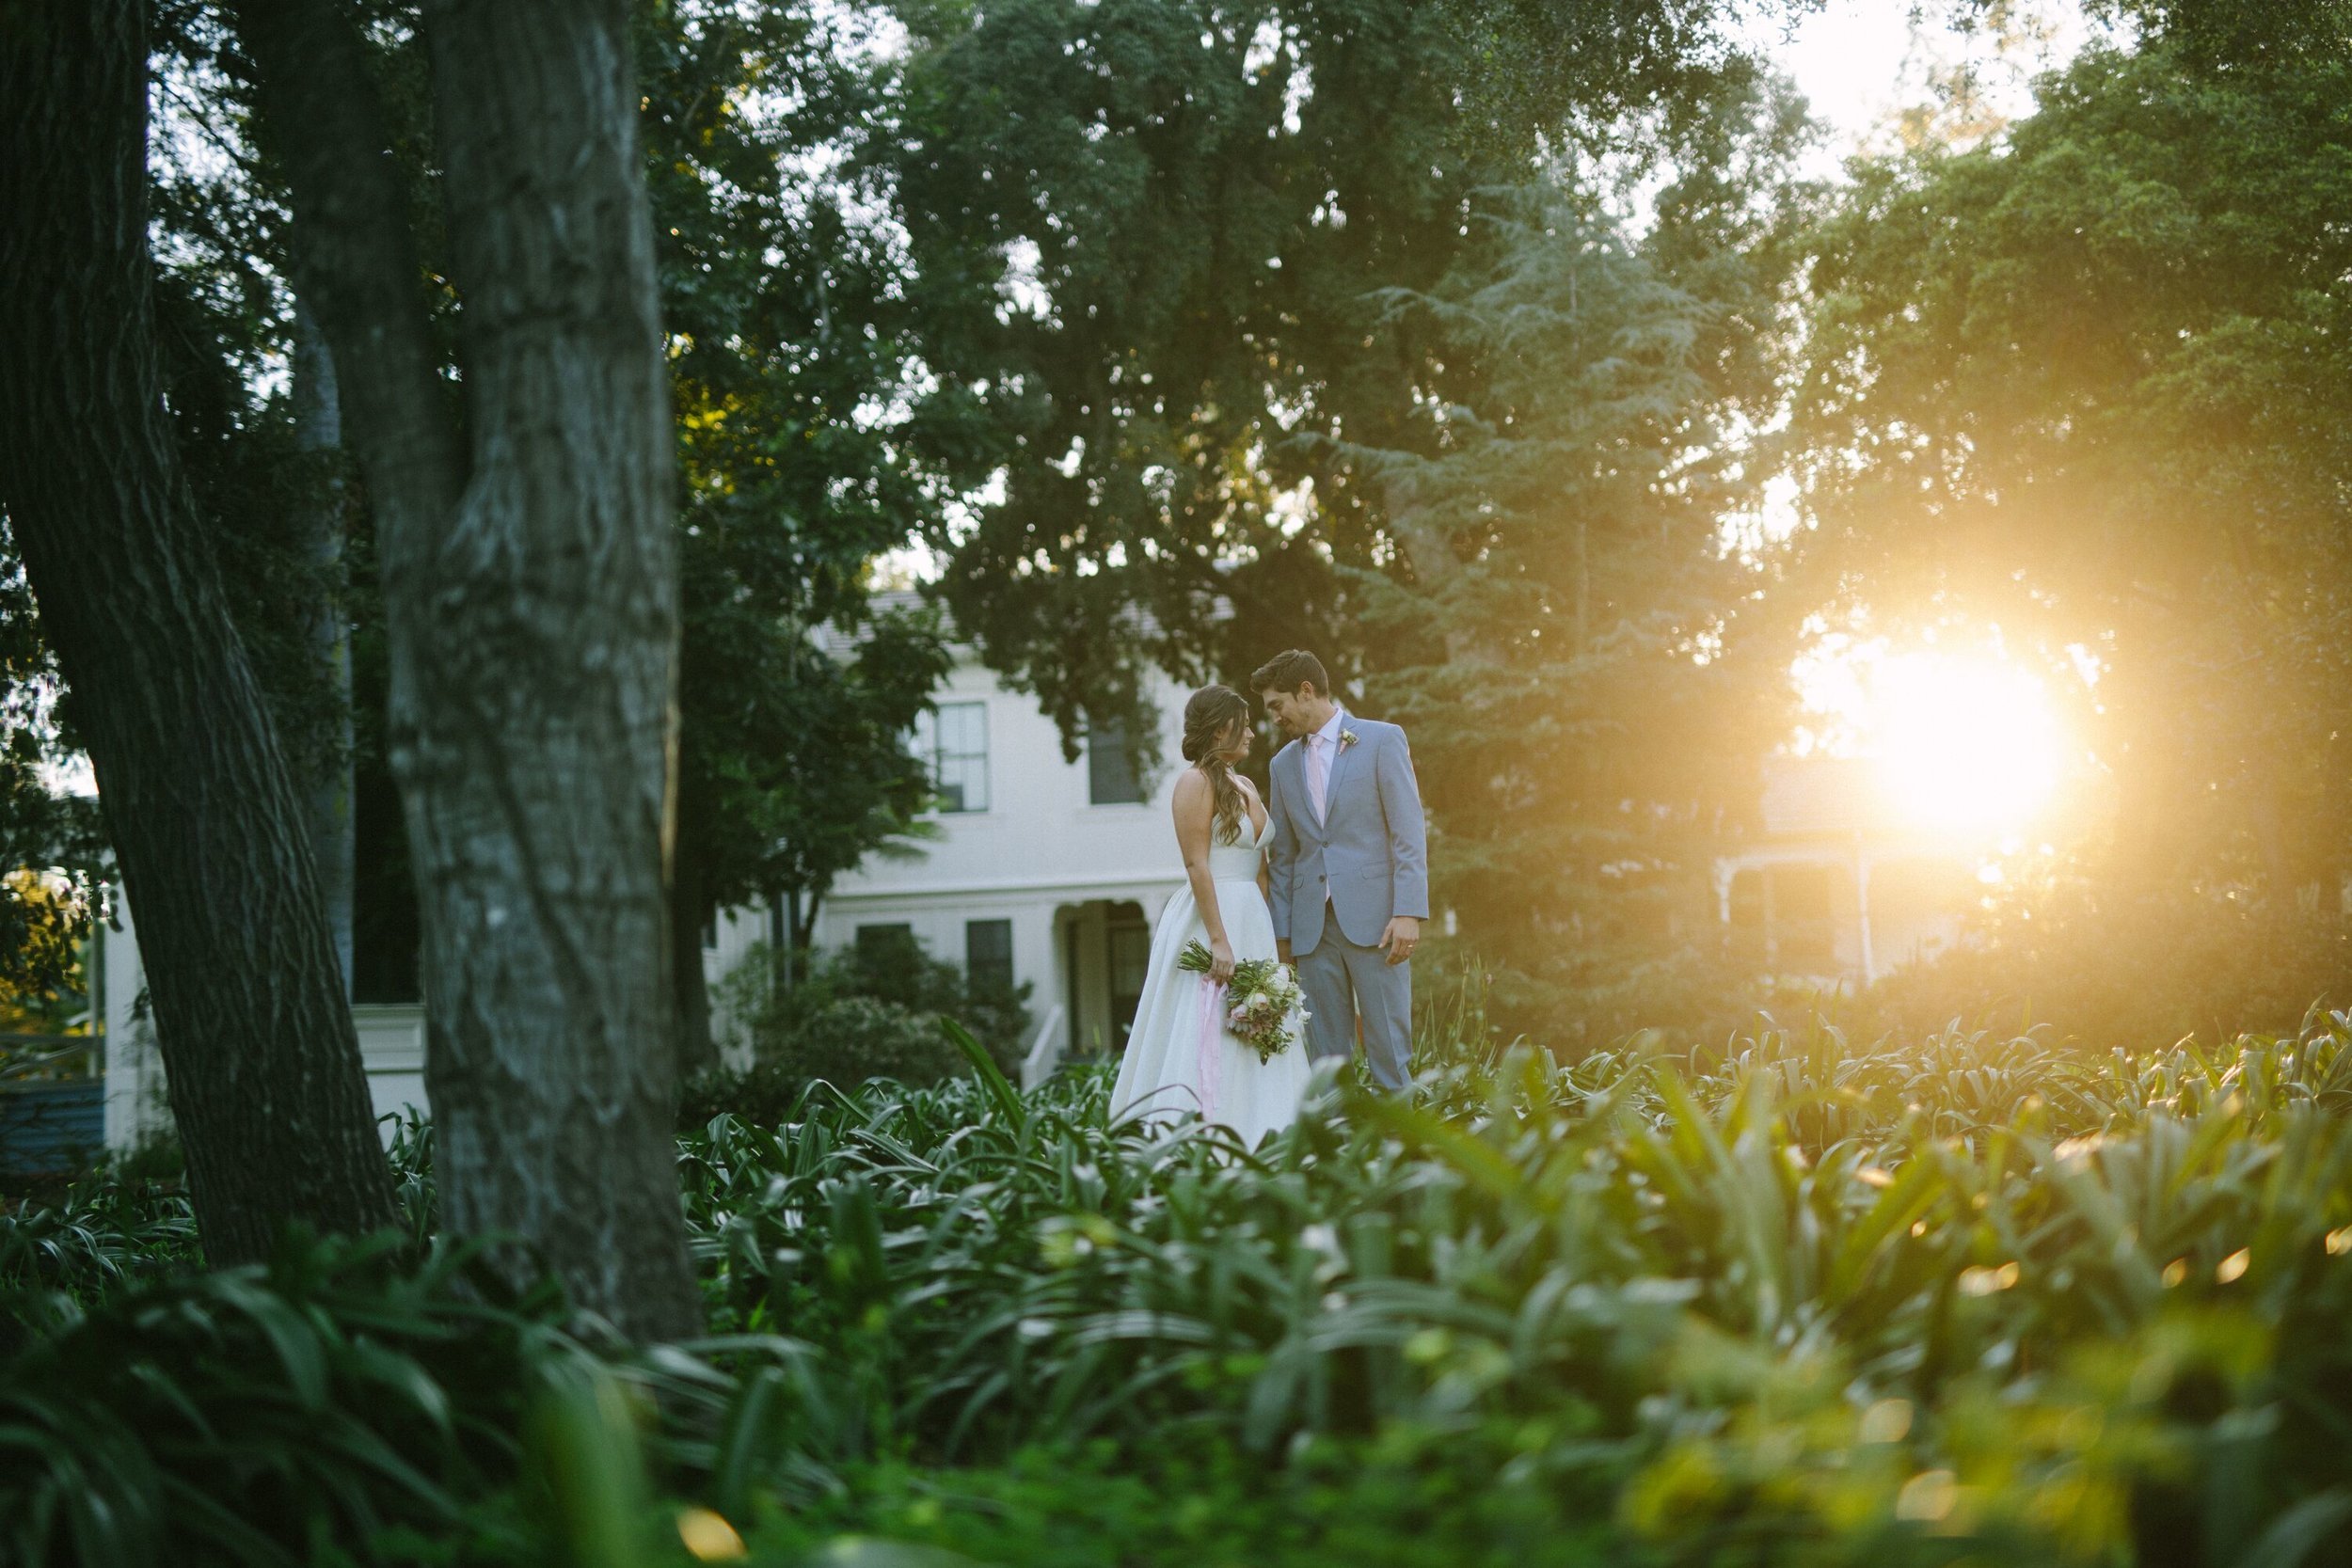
{"points": [[987, 953], [1110, 776], [952, 741], [963, 729], [963, 783], [886, 952], [881, 941]]}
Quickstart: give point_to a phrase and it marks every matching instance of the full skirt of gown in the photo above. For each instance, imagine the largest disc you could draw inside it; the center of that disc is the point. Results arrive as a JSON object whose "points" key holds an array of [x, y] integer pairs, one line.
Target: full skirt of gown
{"points": [[1167, 1068]]}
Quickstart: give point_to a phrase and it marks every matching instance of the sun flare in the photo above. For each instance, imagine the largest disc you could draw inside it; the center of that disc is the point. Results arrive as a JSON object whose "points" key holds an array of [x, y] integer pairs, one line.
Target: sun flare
{"points": [[1963, 745]]}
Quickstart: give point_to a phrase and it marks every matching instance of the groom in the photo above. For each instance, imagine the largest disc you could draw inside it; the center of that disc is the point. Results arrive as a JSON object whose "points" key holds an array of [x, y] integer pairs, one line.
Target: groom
{"points": [[1348, 866]]}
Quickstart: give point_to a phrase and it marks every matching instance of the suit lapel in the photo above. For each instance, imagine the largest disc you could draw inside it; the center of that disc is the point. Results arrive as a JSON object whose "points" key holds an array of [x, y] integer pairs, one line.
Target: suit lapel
{"points": [[1343, 765]]}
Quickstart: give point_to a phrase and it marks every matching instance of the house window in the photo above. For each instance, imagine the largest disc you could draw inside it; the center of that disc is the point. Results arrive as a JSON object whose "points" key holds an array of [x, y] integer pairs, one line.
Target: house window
{"points": [[886, 951], [987, 954], [952, 741], [1111, 779]]}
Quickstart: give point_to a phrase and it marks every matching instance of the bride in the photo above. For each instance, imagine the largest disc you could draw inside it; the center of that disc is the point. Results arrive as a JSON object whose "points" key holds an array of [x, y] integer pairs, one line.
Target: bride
{"points": [[1180, 1056]]}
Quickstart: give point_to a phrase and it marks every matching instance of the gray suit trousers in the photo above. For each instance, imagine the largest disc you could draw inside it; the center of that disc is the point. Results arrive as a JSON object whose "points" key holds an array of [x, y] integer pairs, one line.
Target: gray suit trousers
{"points": [[1342, 982]]}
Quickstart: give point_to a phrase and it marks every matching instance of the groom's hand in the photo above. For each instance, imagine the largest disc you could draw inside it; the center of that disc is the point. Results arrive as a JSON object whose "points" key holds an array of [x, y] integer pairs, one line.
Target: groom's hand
{"points": [[1401, 938], [1282, 951]]}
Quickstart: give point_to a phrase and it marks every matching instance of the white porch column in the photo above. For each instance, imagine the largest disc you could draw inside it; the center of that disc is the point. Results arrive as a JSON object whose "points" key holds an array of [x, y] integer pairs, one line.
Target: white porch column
{"points": [[1862, 907], [135, 1107]]}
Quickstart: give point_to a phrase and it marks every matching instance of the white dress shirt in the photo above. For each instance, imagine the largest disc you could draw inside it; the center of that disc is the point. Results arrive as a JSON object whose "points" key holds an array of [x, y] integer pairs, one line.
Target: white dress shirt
{"points": [[1322, 746]]}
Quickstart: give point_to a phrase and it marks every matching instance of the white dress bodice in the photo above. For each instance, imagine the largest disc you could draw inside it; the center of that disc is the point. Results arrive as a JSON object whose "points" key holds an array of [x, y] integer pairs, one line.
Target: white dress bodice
{"points": [[1239, 863]]}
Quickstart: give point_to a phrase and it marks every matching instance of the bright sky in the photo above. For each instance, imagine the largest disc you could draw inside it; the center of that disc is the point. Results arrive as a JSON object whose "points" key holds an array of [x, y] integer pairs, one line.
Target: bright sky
{"points": [[1966, 742], [1860, 62]]}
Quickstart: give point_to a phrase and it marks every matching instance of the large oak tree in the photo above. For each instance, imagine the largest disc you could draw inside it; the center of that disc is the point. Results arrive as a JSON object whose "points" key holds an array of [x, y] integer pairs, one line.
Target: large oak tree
{"points": [[529, 593], [264, 1066]]}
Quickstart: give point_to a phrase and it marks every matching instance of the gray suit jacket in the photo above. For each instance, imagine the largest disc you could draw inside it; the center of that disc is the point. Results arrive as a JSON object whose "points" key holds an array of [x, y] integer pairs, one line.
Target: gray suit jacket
{"points": [[1369, 858]]}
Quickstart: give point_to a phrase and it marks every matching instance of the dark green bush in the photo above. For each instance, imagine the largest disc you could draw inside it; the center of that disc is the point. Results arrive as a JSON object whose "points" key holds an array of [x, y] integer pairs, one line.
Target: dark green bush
{"points": [[102, 1231], [855, 1039], [1800, 1301], [2112, 969], [870, 1012], [898, 973], [243, 1415], [1430, 1499], [845, 1043]]}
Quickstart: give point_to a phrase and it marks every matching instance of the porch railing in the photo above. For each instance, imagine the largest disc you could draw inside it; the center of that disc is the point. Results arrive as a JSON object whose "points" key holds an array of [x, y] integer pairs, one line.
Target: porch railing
{"points": [[53, 1101]]}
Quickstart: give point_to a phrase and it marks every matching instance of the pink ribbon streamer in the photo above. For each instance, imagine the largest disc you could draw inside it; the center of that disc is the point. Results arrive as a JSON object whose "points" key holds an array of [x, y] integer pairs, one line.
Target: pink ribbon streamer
{"points": [[1212, 1045]]}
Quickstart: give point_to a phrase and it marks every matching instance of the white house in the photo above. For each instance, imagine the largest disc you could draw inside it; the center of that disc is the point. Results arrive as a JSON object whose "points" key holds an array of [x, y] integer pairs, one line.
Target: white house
{"points": [[391, 1044], [1833, 889], [1044, 870]]}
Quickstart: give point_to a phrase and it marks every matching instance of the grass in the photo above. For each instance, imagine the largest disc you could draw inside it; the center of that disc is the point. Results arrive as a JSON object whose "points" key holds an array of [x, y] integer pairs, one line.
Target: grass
{"points": [[1802, 1300]]}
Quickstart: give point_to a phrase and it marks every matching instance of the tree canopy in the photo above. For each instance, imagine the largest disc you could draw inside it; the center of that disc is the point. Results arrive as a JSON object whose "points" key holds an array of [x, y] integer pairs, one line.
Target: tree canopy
{"points": [[2087, 384], [1154, 238]]}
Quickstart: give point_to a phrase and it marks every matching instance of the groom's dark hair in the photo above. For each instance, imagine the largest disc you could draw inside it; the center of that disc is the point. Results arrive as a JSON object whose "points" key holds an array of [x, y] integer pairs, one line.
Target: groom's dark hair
{"points": [[1288, 672]]}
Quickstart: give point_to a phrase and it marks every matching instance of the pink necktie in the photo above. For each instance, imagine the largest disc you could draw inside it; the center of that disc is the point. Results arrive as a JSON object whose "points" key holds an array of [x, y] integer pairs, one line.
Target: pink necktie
{"points": [[1319, 774]]}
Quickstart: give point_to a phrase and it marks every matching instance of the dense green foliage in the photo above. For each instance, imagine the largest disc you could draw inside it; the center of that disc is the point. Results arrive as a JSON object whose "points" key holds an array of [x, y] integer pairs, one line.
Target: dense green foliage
{"points": [[38, 826], [806, 449], [1165, 270], [868, 1012], [2084, 390], [1557, 643], [1808, 1302], [1337, 315]]}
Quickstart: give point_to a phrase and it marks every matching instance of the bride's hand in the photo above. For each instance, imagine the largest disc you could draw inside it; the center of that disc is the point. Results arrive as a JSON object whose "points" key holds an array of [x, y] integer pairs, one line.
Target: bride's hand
{"points": [[1220, 961]]}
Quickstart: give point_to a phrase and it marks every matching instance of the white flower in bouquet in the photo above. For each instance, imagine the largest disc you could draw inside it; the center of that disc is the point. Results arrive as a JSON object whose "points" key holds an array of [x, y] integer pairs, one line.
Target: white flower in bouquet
{"points": [[1261, 998]]}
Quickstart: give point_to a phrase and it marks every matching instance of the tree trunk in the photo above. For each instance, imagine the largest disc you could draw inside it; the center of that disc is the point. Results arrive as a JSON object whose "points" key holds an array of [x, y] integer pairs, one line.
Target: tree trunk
{"points": [[529, 596], [319, 435], [265, 1079], [805, 922], [543, 715]]}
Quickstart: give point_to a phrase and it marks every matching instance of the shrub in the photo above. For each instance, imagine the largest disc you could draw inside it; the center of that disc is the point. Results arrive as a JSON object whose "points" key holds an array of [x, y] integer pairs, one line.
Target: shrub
{"points": [[2111, 968], [858, 1015], [855, 1039], [845, 1043], [1797, 1300], [898, 973], [102, 1232], [1418, 1499], [238, 1416]]}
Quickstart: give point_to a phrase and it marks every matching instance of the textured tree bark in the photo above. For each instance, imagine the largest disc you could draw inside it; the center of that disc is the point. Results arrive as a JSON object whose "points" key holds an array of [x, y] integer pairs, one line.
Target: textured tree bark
{"points": [[265, 1079], [328, 800], [531, 605], [541, 748]]}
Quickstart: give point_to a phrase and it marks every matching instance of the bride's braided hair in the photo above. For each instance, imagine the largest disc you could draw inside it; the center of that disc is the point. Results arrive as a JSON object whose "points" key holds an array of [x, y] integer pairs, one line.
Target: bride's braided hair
{"points": [[1212, 711]]}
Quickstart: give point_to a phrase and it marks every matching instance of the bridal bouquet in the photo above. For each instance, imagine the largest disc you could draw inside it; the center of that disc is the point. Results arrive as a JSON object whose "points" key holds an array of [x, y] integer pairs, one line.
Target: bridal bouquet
{"points": [[1260, 998]]}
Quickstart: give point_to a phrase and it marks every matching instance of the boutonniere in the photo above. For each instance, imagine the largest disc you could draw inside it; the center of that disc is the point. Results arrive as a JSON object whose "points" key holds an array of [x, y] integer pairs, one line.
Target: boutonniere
{"points": [[1347, 738]]}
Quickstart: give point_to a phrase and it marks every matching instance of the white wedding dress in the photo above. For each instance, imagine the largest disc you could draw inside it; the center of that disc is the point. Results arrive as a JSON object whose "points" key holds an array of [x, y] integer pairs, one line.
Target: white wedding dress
{"points": [[1173, 1062]]}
